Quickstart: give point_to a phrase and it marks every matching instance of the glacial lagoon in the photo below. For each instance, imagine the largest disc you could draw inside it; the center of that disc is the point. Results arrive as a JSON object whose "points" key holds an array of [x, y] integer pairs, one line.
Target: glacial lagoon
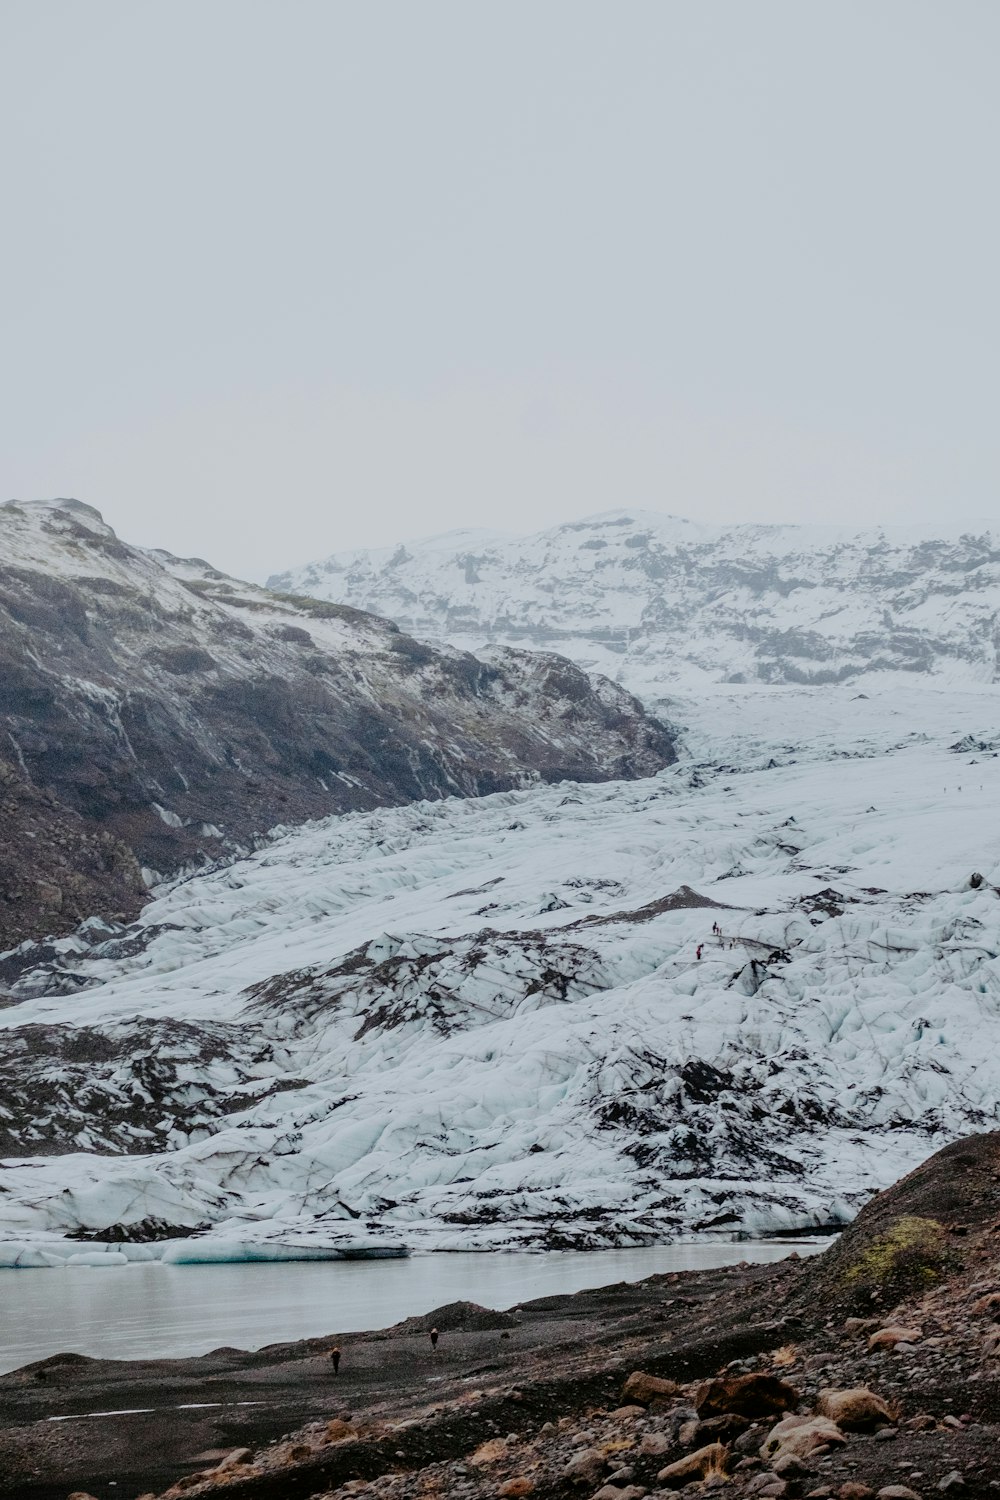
{"points": [[165, 1311]]}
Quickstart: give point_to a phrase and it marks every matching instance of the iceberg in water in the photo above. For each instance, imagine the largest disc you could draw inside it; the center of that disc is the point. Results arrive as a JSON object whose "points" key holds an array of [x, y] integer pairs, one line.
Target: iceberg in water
{"points": [[222, 1251]]}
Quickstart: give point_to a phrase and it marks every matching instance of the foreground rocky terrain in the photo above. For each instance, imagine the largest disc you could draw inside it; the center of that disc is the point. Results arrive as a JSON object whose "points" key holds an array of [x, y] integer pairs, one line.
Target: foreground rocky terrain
{"points": [[156, 715], [873, 1369], [663, 603]]}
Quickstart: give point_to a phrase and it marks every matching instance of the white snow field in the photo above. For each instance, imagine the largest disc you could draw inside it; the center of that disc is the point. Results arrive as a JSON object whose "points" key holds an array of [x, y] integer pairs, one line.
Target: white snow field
{"points": [[474, 1024], [663, 604]]}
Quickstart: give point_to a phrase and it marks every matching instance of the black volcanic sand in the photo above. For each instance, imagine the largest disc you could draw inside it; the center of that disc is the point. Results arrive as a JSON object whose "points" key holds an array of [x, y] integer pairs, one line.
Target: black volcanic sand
{"points": [[926, 1255], [391, 1371]]}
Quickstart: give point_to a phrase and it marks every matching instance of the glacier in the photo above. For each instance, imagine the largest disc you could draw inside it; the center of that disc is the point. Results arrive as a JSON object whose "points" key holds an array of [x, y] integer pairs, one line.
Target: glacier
{"points": [[510, 1022]]}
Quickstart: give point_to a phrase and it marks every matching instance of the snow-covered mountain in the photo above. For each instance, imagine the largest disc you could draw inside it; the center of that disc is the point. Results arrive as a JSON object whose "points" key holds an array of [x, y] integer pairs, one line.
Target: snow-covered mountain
{"points": [[660, 603], [512, 1021], [154, 712]]}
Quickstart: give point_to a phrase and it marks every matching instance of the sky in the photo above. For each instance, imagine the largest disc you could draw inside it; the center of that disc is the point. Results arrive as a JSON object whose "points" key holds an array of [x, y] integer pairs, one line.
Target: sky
{"points": [[281, 277]]}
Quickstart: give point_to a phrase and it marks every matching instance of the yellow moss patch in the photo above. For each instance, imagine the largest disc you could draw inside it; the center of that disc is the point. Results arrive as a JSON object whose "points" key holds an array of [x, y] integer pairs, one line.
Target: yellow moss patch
{"points": [[912, 1249]]}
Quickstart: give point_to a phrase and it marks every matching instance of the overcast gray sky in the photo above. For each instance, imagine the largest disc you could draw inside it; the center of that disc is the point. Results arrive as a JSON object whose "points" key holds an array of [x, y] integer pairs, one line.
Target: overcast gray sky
{"points": [[284, 276]]}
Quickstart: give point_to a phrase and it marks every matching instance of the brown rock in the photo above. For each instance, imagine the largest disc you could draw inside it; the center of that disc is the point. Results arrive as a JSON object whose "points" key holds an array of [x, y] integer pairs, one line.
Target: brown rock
{"points": [[720, 1429], [585, 1467], [898, 1492], [712, 1459], [856, 1409], [790, 1466], [337, 1429], [857, 1326], [648, 1389], [853, 1490], [236, 1456], [615, 1492], [489, 1452], [801, 1436], [626, 1413], [653, 1444], [888, 1338], [688, 1432], [514, 1489], [767, 1486], [987, 1304], [748, 1395]]}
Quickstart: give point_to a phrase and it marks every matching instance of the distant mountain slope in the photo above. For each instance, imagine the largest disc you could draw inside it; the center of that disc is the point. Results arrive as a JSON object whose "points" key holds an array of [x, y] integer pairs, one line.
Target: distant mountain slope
{"points": [[154, 712], [656, 601]]}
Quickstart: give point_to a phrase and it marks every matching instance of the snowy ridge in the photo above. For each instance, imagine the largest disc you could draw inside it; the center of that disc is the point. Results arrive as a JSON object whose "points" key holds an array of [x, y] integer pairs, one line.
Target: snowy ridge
{"points": [[660, 603], [486, 1023]]}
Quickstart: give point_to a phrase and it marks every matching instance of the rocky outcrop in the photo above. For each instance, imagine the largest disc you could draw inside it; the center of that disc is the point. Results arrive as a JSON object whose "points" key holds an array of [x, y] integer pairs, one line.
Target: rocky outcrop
{"points": [[156, 714]]}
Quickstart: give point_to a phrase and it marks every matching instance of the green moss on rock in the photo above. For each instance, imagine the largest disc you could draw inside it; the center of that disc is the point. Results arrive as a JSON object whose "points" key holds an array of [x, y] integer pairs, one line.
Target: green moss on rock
{"points": [[907, 1257]]}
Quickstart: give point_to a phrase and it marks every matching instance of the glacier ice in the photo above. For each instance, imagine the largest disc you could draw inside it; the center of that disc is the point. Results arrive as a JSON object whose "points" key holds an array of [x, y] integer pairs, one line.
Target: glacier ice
{"points": [[395, 1034]]}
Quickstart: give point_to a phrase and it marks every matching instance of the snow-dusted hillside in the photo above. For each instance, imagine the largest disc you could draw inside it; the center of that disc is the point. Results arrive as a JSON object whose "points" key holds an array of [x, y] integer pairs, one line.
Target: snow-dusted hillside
{"points": [[661, 603], [155, 712], [486, 1023]]}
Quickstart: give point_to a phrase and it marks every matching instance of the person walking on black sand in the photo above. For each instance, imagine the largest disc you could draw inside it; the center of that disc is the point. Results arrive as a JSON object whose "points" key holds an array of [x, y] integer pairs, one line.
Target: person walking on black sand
{"points": [[335, 1358], [434, 1339]]}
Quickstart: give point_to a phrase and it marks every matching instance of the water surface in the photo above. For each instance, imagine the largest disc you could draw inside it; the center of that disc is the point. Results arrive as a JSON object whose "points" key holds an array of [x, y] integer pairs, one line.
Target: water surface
{"points": [[152, 1310]]}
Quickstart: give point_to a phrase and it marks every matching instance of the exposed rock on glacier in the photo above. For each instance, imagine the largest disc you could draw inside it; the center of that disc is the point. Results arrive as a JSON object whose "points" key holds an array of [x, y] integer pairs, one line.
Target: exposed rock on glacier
{"points": [[155, 714]]}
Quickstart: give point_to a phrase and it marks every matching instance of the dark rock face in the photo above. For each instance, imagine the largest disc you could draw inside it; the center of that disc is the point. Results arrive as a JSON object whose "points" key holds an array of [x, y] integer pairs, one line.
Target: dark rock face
{"points": [[156, 714]]}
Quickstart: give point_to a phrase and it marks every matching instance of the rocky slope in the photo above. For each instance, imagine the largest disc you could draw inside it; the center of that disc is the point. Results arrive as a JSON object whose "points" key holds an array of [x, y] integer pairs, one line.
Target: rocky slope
{"points": [[511, 1021], [156, 714], [660, 602], [872, 1370]]}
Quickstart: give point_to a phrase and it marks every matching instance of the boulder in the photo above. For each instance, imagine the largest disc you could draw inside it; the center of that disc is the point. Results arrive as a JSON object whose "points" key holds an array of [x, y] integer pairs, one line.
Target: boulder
{"points": [[898, 1492], [801, 1436], [888, 1338], [489, 1452], [748, 1396], [790, 1466], [585, 1467], [648, 1389], [720, 1429], [515, 1489], [712, 1459], [653, 1444], [767, 1486], [856, 1409]]}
